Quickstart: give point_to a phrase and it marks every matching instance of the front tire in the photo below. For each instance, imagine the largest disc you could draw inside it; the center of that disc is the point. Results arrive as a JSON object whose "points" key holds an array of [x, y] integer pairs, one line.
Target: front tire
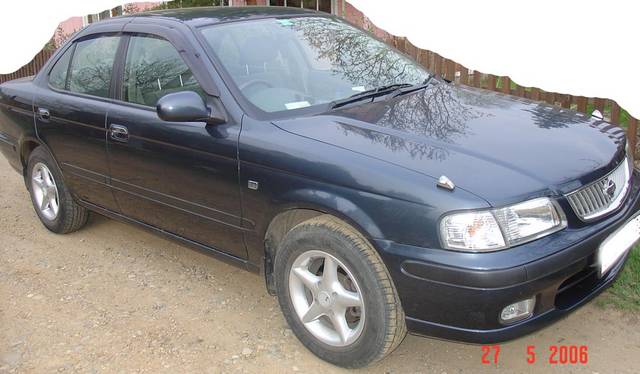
{"points": [[336, 293], [51, 199]]}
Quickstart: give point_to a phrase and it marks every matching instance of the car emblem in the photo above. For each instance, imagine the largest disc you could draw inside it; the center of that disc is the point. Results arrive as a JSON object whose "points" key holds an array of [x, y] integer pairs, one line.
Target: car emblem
{"points": [[609, 188]]}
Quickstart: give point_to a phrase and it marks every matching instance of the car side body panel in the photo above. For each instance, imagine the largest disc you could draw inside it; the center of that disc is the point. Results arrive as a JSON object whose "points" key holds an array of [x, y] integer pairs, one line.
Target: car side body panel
{"points": [[297, 172], [17, 126]]}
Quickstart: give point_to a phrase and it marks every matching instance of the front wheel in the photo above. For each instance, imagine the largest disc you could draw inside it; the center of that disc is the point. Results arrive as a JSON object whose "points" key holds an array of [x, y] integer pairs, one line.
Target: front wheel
{"points": [[336, 293]]}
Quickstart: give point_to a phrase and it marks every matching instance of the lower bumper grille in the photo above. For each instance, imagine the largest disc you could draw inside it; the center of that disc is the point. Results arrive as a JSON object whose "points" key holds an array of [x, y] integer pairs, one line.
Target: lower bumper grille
{"points": [[576, 287]]}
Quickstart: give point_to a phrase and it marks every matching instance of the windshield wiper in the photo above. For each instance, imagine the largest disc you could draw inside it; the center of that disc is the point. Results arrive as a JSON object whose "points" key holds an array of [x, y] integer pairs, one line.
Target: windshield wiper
{"points": [[368, 94], [414, 88]]}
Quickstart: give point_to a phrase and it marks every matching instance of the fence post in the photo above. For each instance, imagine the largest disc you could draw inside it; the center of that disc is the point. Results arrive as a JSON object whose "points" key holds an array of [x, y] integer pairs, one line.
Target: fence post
{"points": [[506, 84], [438, 65], [491, 82], [632, 134], [615, 112], [535, 93], [550, 98], [464, 74], [476, 79], [566, 101], [598, 103], [450, 70], [581, 101]]}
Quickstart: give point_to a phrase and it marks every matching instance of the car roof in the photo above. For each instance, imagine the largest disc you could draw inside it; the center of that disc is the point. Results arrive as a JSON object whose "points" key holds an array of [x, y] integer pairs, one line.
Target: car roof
{"points": [[210, 15]]}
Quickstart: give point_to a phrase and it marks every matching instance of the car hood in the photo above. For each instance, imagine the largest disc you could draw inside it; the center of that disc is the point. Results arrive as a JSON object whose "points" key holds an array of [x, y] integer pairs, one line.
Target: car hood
{"points": [[502, 148]]}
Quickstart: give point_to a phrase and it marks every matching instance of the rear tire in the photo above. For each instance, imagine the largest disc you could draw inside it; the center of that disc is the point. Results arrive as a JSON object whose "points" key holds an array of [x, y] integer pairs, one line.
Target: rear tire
{"points": [[51, 199], [375, 323]]}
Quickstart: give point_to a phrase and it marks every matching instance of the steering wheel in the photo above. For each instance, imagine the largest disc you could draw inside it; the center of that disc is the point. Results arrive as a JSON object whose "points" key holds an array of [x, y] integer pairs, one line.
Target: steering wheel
{"points": [[255, 82]]}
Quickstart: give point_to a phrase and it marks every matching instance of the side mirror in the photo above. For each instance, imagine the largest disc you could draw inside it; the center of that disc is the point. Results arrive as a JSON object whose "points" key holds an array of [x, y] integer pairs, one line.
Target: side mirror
{"points": [[185, 106]]}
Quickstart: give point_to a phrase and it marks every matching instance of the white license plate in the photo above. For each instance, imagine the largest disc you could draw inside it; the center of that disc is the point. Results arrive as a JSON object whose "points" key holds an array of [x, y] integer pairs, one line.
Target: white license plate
{"points": [[617, 244]]}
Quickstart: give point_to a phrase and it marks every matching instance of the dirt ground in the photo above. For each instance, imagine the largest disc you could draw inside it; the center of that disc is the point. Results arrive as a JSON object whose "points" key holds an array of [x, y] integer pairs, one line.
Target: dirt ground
{"points": [[115, 298]]}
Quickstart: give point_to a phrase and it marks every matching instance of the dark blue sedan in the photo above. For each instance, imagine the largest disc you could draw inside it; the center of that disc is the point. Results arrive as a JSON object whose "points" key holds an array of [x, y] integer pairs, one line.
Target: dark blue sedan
{"points": [[373, 197]]}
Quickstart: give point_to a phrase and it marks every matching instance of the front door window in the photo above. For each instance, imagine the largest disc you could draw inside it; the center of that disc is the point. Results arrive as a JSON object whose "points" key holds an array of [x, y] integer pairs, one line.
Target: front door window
{"points": [[154, 68]]}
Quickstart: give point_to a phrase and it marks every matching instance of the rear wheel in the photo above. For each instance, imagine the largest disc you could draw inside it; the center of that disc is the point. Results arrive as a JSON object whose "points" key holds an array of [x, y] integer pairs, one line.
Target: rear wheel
{"points": [[51, 200], [336, 293]]}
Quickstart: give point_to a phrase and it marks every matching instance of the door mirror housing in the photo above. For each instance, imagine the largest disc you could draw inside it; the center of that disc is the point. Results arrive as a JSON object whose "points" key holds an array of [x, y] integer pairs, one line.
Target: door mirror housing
{"points": [[185, 106]]}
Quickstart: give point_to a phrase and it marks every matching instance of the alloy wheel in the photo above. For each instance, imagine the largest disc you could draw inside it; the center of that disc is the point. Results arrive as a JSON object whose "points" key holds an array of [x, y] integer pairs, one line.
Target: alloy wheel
{"points": [[327, 298], [45, 191]]}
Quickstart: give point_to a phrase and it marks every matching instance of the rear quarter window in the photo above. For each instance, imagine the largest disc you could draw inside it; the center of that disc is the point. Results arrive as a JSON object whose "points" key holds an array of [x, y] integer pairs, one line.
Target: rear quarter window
{"points": [[58, 75]]}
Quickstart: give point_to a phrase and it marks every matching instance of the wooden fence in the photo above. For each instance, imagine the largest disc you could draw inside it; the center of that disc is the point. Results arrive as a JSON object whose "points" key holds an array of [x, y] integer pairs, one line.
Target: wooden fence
{"points": [[31, 68], [453, 71]]}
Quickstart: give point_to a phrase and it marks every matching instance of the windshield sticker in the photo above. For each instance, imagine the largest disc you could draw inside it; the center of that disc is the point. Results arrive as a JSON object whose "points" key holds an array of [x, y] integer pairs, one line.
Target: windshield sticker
{"points": [[358, 88], [285, 22], [297, 105]]}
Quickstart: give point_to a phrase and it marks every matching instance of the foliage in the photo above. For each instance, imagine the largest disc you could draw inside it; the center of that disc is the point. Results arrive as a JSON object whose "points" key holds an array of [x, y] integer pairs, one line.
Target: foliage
{"points": [[130, 8], [58, 39]]}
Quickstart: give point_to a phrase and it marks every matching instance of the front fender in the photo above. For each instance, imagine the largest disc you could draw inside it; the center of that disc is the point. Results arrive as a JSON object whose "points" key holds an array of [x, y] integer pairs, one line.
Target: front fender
{"points": [[331, 203], [375, 216]]}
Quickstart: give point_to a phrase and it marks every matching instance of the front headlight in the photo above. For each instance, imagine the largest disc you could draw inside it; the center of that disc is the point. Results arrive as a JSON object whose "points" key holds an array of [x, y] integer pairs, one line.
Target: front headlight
{"points": [[490, 230]]}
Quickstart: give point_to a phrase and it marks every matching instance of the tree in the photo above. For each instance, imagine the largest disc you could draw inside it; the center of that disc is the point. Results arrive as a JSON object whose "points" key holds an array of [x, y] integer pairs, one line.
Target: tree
{"points": [[130, 8], [58, 38]]}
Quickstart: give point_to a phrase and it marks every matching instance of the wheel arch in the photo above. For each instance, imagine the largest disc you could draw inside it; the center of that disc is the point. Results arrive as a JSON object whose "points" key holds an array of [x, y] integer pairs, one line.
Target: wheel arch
{"points": [[286, 216], [26, 147]]}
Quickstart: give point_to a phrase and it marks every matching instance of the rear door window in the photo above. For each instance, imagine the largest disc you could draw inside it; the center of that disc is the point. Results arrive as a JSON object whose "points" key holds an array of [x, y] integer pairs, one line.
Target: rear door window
{"points": [[154, 68], [92, 65]]}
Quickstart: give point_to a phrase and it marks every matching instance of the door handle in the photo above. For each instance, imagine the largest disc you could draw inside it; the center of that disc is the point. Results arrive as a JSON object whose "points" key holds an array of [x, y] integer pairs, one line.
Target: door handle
{"points": [[119, 133], [43, 114]]}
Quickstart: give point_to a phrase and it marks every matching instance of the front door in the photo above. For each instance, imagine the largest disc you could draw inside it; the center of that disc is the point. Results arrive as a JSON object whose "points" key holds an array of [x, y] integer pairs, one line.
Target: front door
{"points": [[179, 177]]}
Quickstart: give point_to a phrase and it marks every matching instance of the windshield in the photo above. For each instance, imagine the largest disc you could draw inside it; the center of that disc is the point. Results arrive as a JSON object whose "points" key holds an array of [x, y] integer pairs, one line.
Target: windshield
{"points": [[290, 63]]}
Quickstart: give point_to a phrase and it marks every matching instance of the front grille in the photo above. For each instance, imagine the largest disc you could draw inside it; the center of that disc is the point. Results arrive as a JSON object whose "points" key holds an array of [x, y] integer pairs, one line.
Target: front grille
{"points": [[602, 196]]}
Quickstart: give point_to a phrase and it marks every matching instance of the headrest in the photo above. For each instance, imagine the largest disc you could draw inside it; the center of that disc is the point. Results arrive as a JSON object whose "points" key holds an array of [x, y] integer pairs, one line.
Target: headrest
{"points": [[257, 50]]}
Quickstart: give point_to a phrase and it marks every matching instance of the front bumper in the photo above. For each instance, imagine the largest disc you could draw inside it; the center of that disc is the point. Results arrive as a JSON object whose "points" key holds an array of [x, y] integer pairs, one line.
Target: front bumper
{"points": [[459, 296]]}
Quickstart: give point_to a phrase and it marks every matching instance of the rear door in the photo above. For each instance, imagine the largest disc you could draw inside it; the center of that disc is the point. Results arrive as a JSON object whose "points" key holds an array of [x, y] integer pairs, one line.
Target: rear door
{"points": [[179, 177], [71, 113]]}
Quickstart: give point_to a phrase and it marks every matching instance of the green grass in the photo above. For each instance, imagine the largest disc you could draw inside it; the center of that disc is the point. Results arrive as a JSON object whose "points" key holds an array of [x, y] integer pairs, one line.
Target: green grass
{"points": [[512, 85], [625, 292]]}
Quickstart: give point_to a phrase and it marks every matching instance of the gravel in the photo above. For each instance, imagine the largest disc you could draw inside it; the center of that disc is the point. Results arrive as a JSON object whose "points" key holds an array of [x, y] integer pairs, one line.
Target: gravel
{"points": [[115, 298]]}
